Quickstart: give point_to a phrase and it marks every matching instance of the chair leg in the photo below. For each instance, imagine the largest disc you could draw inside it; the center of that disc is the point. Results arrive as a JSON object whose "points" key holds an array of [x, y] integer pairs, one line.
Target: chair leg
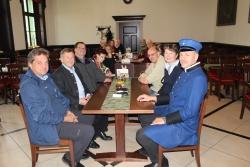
{"points": [[72, 156], [13, 96], [5, 95], [237, 89], [219, 93], [242, 108], [197, 156], [233, 92], [160, 156], [34, 155], [210, 87], [192, 153]]}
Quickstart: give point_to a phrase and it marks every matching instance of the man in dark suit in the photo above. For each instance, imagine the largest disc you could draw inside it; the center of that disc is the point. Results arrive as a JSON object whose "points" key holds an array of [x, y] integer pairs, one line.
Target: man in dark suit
{"points": [[69, 80], [92, 76]]}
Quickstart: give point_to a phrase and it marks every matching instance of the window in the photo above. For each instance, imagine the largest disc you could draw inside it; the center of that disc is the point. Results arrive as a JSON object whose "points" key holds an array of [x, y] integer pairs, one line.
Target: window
{"points": [[34, 23]]}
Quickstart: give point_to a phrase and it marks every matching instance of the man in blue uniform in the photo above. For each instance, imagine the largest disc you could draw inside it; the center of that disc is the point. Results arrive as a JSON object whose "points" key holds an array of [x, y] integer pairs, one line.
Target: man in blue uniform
{"points": [[176, 123]]}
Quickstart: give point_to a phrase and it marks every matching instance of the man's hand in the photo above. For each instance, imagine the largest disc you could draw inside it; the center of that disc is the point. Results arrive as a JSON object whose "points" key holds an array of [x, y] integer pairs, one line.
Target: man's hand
{"points": [[84, 101], [145, 97], [70, 117], [88, 96], [107, 80], [109, 74], [159, 121]]}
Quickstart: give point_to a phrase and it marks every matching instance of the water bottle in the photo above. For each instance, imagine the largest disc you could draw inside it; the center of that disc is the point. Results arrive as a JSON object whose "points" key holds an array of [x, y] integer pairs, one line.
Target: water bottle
{"points": [[120, 55]]}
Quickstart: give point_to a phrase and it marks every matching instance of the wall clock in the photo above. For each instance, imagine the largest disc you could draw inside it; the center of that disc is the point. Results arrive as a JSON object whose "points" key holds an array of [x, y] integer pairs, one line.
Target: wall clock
{"points": [[127, 1]]}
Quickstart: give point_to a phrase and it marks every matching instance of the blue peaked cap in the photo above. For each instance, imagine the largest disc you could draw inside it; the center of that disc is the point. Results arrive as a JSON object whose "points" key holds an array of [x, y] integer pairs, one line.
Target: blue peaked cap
{"points": [[189, 45]]}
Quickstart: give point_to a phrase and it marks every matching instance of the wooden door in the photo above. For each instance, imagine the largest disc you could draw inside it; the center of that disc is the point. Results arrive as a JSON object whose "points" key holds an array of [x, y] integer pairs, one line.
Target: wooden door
{"points": [[129, 33]]}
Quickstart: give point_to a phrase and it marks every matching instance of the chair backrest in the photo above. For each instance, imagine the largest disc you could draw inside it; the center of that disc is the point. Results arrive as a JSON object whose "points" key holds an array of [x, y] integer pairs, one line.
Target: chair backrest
{"points": [[14, 68], [63, 146], [246, 71], [213, 59], [19, 101], [201, 117], [4, 61], [246, 78]]}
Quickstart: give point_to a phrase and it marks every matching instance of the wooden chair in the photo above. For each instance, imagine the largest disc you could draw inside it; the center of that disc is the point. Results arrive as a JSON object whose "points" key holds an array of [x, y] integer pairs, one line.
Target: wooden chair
{"points": [[212, 74], [14, 70], [195, 148], [227, 76], [3, 85], [138, 69], [63, 146], [4, 61], [246, 93]]}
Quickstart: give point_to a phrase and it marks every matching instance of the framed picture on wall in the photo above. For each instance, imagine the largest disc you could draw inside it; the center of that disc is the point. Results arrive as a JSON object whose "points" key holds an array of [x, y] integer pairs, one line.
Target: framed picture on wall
{"points": [[226, 12], [249, 15]]}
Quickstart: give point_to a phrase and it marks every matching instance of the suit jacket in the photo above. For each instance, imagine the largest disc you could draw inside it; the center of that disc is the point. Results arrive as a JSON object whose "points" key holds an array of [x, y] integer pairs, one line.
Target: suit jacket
{"points": [[66, 83], [168, 82], [185, 99], [92, 76]]}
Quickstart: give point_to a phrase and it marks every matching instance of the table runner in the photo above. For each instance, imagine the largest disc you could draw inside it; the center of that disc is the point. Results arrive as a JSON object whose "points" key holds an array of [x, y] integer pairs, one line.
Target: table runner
{"points": [[117, 103]]}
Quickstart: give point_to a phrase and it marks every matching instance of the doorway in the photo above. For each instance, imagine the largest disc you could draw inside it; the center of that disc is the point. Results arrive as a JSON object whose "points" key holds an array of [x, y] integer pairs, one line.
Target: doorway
{"points": [[129, 34], [129, 30]]}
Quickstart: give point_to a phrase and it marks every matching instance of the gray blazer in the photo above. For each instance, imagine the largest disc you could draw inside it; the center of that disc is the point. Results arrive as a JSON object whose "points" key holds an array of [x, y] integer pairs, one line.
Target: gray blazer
{"points": [[92, 76]]}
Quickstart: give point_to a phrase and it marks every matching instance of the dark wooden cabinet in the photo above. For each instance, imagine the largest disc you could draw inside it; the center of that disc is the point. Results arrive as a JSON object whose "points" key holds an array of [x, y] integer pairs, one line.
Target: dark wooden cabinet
{"points": [[6, 35]]}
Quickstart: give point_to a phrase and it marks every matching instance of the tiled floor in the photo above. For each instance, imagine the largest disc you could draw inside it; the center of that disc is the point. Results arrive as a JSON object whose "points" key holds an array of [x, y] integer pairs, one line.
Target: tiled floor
{"points": [[218, 148]]}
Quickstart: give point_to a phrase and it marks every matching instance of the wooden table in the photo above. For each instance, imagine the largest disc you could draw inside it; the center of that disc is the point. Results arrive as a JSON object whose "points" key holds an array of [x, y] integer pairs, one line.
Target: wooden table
{"points": [[94, 107]]}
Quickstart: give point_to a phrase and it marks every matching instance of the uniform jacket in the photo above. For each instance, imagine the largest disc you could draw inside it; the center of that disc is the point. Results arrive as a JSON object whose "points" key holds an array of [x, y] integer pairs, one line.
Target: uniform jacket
{"points": [[66, 83], [168, 82], [45, 107], [185, 99], [91, 75]]}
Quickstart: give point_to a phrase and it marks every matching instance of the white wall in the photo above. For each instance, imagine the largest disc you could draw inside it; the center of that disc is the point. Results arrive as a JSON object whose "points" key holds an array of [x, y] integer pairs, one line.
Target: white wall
{"points": [[17, 24], [68, 21], [236, 34], [166, 20]]}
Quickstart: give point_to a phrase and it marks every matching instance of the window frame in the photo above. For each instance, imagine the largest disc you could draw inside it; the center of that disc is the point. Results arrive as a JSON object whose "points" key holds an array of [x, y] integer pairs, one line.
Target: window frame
{"points": [[40, 26]]}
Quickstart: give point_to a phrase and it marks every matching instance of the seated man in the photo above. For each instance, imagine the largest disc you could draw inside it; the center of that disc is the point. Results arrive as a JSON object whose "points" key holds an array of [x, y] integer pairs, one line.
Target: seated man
{"points": [[69, 80], [155, 71], [92, 76], [118, 46], [176, 123], [48, 111]]}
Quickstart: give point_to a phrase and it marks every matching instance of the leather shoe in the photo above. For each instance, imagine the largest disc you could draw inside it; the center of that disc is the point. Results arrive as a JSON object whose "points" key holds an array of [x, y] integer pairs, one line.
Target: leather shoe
{"points": [[68, 162], [103, 136], [142, 151], [165, 162], [154, 164], [85, 155], [79, 165], [93, 144]]}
